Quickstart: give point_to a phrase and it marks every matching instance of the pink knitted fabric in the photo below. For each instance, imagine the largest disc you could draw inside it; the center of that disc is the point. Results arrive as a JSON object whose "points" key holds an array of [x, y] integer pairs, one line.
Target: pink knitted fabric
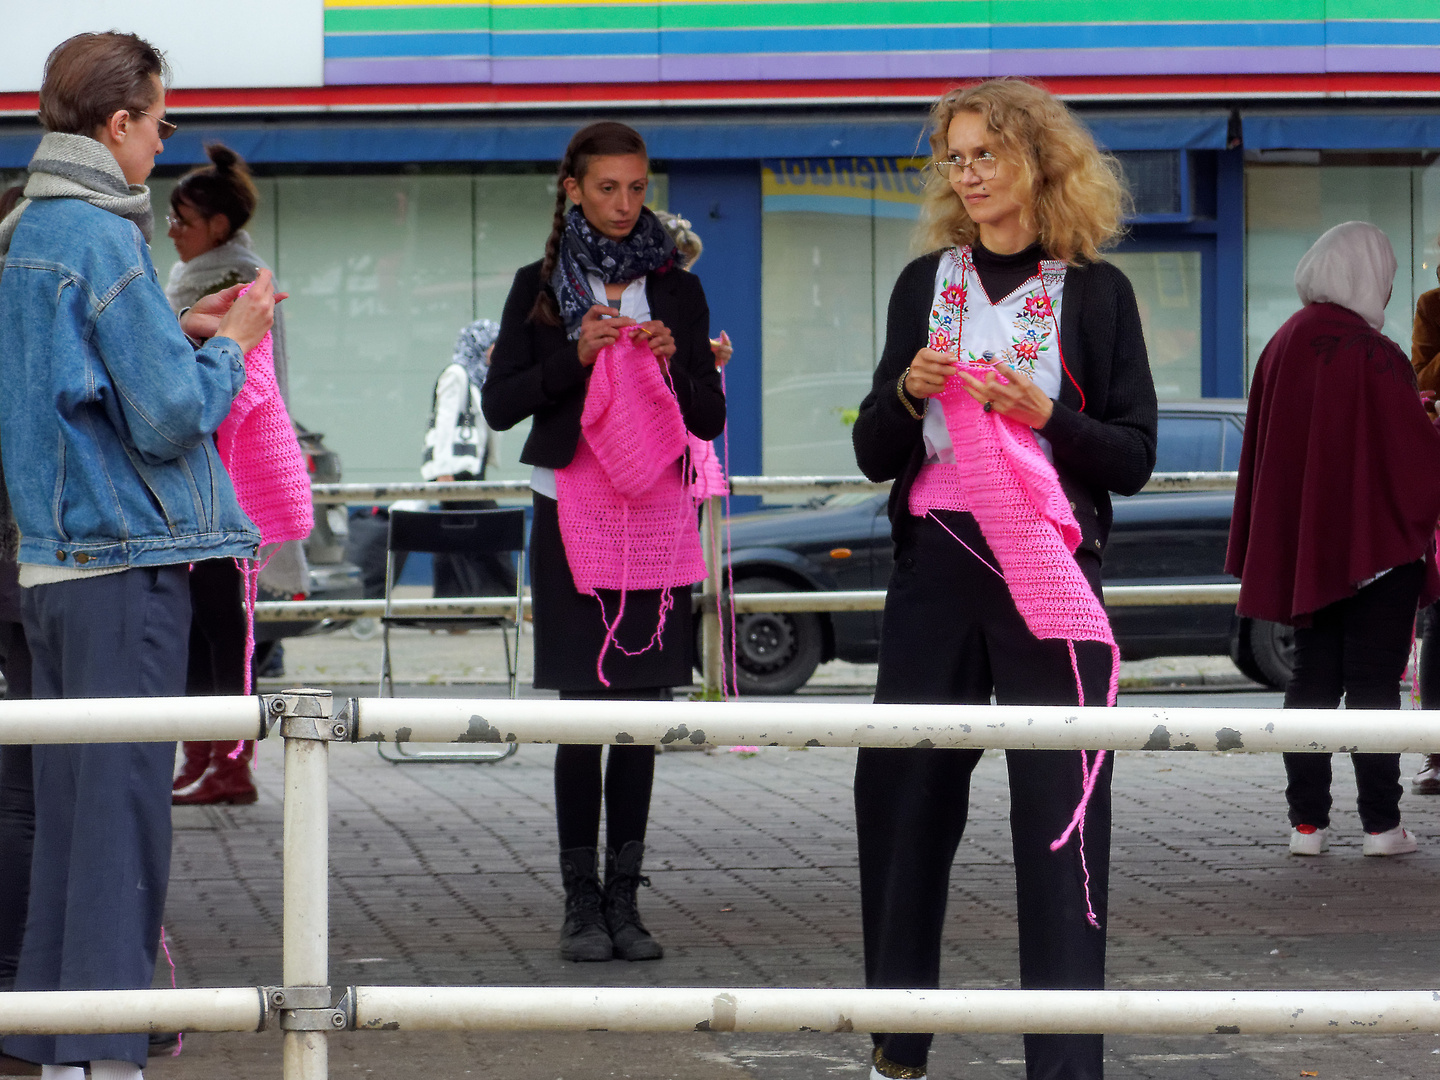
{"points": [[1002, 477], [258, 447], [627, 515], [709, 475]]}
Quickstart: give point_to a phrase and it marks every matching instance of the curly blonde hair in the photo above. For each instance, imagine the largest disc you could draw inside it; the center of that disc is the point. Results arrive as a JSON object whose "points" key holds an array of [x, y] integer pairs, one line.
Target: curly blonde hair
{"points": [[1076, 196]]}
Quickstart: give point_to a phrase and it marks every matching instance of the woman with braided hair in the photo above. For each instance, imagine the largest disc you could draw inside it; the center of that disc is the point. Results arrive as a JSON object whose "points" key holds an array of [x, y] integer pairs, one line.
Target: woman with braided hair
{"points": [[1013, 396], [608, 289]]}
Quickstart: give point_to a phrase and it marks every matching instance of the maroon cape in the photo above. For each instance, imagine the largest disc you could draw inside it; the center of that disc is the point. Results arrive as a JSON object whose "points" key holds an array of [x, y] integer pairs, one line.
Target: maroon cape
{"points": [[1340, 471]]}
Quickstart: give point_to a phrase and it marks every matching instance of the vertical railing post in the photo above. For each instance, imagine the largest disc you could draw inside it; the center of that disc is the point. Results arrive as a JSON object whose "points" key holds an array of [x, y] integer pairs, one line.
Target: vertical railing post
{"points": [[712, 641], [307, 1014]]}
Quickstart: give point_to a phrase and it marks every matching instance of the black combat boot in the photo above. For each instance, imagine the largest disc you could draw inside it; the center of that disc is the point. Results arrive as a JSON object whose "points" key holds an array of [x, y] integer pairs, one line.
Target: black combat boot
{"points": [[622, 916], [583, 937]]}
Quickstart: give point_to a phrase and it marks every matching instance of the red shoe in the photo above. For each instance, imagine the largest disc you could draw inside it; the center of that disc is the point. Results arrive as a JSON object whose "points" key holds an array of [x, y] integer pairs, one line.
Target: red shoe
{"points": [[197, 759], [227, 780]]}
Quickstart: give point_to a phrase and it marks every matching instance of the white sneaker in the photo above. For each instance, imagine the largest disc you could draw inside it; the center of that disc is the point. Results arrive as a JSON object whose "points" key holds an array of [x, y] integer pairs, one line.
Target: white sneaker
{"points": [[1396, 841], [1308, 840]]}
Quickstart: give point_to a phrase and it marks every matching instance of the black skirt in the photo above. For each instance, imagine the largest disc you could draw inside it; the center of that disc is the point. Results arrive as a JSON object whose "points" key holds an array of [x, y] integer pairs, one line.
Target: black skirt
{"points": [[569, 628]]}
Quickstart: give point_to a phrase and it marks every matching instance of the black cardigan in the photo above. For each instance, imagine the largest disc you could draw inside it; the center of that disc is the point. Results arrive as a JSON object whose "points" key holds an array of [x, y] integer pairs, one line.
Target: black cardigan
{"points": [[1108, 447], [535, 371]]}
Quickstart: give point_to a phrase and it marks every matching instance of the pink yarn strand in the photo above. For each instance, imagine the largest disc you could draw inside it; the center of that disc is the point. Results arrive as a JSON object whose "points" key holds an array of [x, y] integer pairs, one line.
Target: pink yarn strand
{"points": [[180, 1035], [966, 546]]}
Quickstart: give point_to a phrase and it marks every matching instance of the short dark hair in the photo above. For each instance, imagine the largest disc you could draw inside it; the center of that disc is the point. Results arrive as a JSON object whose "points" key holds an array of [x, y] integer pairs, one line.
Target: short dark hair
{"points": [[90, 77], [222, 187]]}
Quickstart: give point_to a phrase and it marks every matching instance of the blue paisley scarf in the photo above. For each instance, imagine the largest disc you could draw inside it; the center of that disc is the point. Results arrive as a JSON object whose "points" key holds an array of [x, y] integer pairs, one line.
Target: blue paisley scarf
{"points": [[583, 251]]}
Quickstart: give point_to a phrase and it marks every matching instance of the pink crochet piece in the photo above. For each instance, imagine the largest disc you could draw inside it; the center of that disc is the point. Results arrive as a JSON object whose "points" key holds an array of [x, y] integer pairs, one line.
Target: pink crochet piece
{"points": [[627, 515], [710, 479], [258, 446], [1002, 477], [259, 450]]}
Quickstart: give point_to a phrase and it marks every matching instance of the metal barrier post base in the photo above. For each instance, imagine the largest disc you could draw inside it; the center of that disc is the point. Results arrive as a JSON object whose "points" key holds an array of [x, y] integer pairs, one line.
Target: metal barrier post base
{"points": [[308, 730], [306, 1055]]}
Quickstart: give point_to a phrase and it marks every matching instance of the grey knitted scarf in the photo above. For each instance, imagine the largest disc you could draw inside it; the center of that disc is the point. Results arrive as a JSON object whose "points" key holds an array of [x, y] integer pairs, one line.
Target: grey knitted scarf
{"points": [[78, 167]]}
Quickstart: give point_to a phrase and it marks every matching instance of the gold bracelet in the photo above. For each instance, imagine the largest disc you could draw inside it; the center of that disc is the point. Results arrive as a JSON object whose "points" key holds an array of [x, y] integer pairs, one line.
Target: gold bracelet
{"points": [[905, 398]]}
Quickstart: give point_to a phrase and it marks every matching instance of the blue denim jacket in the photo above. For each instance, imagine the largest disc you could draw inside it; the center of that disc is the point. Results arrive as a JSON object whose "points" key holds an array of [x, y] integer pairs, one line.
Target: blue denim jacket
{"points": [[107, 414]]}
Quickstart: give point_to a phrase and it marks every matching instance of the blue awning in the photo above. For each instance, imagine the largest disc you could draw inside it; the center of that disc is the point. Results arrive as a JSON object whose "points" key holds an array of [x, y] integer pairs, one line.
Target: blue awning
{"points": [[1349, 130], [670, 138]]}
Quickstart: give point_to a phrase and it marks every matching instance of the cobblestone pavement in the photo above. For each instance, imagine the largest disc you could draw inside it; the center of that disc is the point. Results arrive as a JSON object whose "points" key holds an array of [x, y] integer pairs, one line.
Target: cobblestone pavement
{"points": [[447, 874]]}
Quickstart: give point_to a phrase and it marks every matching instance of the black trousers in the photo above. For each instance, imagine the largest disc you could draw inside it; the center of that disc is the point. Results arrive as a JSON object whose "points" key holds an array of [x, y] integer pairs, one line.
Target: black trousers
{"points": [[1357, 649], [629, 776], [17, 807], [951, 634]]}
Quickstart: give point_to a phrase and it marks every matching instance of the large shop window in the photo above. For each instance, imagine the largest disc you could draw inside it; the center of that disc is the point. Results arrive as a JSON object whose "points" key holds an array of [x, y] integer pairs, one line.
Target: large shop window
{"points": [[1292, 200], [837, 232], [383, 271]]}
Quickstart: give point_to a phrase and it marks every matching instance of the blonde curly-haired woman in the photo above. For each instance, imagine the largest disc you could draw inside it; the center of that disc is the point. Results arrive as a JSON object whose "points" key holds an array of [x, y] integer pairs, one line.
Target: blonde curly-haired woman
{"points": [[1013, 396]]}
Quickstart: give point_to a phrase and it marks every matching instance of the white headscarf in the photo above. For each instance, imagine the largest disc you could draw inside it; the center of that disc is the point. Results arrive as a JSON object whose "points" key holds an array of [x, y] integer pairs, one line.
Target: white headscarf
{"points": [[1352, 265]]}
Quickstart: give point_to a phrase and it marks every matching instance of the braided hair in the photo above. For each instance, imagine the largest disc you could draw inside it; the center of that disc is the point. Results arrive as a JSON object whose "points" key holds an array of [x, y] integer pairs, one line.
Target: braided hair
{"points": [[607, 138]]}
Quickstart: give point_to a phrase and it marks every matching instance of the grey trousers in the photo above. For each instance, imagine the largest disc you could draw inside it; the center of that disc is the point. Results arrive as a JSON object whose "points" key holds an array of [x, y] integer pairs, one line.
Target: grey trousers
{"points": [[102, 810]]}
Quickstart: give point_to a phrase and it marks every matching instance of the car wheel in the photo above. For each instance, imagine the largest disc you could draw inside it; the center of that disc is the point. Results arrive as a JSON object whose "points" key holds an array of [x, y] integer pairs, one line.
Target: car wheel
{"points": [[1264, 651], [775, 653]]}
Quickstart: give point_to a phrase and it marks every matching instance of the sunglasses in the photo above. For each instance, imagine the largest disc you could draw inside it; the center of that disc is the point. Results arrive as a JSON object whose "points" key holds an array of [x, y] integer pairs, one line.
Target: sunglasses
{"points": [[164, 127]]}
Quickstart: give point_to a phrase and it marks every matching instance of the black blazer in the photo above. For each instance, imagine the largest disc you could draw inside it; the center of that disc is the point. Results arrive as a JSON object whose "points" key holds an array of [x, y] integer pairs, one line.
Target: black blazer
{"points": [[535, 371], [1110, 446]]}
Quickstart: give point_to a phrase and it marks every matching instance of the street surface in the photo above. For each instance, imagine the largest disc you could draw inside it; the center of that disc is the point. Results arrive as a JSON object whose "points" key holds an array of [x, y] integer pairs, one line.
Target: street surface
{"points": [[446, 874]]}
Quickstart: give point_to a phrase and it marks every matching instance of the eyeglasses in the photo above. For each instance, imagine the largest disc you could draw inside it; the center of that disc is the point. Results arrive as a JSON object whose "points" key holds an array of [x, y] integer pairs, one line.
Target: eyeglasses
{"points": [[983, 166], [176, 221], [164, 127]]}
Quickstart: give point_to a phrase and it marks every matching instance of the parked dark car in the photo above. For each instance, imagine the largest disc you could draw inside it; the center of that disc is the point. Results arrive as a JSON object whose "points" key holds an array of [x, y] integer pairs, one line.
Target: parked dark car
{"points": [[843, 542]]}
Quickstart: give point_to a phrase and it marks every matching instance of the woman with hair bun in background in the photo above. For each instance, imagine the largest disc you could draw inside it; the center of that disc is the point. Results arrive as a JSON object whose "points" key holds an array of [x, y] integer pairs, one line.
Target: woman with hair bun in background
{"points": [[209, 209]]}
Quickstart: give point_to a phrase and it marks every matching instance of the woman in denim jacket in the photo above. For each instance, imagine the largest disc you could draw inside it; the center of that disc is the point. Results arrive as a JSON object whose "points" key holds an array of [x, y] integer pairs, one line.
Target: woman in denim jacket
{"points": [[106, 427]]}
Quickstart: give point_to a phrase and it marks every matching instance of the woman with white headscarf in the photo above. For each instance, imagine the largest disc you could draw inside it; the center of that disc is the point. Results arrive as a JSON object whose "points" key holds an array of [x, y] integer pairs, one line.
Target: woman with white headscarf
{"points": [[1335, 513], [458, 447]]}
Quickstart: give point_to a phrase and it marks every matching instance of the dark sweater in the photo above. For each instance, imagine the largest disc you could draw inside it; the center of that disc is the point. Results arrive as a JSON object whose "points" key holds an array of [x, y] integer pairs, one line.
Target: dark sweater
{"points": [[536, 371], [1108, 446]]}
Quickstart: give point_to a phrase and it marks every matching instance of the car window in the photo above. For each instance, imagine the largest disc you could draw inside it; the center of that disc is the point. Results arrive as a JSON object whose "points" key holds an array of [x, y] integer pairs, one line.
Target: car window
{"points": [[1189, 443], [1234, 436]]}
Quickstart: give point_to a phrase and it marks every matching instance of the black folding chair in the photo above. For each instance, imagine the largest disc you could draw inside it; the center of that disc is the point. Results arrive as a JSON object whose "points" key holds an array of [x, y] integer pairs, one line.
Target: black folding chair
{"points": [[456, 532]]}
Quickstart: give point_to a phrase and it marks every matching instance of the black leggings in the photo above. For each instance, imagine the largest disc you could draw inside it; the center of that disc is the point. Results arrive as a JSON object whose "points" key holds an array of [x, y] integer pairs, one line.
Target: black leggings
{"points": [[629, 776], [1355, 648]]}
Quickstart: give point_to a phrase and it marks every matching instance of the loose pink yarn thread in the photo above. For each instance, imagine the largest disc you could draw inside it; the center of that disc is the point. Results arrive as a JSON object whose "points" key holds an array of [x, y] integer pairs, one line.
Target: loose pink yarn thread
{"points": [[627, 513], [179, 1035]]}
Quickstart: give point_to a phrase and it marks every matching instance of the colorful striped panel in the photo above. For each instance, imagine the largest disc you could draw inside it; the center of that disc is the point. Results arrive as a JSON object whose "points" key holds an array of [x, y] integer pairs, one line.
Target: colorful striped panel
{"points": [[640, 41]]}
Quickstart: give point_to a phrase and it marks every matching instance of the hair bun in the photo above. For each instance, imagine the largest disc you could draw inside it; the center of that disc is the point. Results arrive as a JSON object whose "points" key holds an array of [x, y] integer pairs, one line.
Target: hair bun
{"points": [[222, 157]]}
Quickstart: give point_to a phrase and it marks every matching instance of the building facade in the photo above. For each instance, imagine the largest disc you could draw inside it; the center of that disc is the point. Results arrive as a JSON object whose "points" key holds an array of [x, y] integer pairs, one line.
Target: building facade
{"points": [[406, 154]]}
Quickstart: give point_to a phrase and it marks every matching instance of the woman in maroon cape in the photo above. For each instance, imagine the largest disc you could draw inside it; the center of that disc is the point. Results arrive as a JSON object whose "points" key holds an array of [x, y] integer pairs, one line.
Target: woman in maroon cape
{"points": [[1335, 514]]}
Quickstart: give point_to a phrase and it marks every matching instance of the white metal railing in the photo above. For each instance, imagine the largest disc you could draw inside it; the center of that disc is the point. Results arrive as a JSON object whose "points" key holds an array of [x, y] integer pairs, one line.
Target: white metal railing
{"points": [[368, 494], [308, 1008], [744, 603]]}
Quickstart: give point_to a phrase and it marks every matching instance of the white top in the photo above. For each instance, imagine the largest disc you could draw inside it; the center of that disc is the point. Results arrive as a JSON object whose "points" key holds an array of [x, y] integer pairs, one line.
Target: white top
{"points": [[995, 328], [634, 304], [32, 574], [457, 440]]}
